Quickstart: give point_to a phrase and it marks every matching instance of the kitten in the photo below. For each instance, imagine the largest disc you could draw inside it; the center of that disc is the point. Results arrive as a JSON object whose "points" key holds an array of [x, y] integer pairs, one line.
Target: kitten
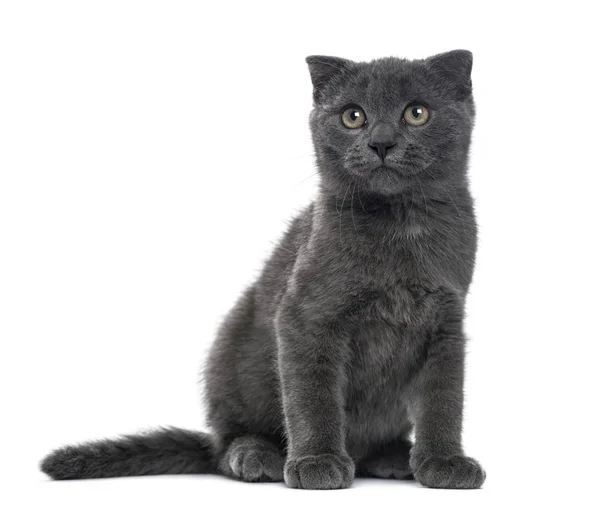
{"points": [[352, 337]]}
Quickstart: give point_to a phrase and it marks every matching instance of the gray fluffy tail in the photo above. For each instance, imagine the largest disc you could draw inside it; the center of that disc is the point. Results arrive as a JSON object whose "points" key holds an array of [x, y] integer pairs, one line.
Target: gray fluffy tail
{"points": [[167, 451]]}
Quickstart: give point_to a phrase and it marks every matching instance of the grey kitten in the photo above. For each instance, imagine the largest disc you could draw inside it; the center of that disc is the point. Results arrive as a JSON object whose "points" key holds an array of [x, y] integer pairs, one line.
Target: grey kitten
{"points": [[352, 338]]}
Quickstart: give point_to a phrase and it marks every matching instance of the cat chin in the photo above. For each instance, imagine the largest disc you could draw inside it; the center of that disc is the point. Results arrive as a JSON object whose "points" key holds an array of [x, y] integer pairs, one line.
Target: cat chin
{"points": [[385, 180]]}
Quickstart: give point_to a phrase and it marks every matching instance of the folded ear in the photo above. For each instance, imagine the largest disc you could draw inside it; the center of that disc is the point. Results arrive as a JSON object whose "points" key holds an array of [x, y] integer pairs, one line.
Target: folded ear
{"points": [[455, 66], [324, 70]]}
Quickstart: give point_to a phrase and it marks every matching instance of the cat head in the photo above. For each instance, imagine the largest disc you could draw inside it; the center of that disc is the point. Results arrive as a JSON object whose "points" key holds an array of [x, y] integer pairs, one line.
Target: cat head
{"points": [[388, 124]]}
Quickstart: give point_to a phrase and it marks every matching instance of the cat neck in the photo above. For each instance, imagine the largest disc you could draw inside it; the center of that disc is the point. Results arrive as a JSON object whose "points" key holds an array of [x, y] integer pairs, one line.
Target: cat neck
{"points": [[425, 209], [416, 196]]}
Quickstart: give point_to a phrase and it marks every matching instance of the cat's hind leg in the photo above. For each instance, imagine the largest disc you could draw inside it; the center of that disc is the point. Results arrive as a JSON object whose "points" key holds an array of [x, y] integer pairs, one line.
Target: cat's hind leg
{"points": [[390, 460], [253, 459]]}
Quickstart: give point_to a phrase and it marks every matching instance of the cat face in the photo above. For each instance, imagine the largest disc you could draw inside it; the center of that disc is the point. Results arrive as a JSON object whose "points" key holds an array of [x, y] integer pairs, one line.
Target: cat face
{"points": [[385, 125]]}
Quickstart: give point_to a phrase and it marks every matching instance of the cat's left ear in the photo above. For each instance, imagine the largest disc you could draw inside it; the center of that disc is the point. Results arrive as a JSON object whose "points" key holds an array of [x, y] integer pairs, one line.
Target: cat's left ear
{"points": [[324, 70], [455, 66]]}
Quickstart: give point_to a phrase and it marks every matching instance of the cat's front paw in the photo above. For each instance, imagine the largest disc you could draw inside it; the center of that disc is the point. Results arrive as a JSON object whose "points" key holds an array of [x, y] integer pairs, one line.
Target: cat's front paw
{"points": [[256, 464], [325, 471], [456, 472]]}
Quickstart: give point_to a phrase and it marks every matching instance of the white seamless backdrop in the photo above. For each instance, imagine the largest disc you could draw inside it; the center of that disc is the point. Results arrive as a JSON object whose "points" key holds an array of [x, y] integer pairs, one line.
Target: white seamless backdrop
{"points": [[151, 154]]}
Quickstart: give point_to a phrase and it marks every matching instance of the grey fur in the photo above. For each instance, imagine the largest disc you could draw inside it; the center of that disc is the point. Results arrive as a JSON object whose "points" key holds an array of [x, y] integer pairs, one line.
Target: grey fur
{"points": [[164, 451], [352, 337]]}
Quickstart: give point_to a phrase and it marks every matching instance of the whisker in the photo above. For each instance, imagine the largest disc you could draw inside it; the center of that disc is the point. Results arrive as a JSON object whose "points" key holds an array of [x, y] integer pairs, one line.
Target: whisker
{"points": [[306, 179], [424, 199], [340, 212], [352, 209], [450, 197]]}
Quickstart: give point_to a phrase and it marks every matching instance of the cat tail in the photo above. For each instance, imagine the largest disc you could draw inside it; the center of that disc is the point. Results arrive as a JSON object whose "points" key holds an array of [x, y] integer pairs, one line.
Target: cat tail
{"points": [[165, 451]]}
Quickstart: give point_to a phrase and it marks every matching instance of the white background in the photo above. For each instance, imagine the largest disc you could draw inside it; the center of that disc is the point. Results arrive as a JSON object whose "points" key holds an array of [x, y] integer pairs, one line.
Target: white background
{"points": [[151, 153]]}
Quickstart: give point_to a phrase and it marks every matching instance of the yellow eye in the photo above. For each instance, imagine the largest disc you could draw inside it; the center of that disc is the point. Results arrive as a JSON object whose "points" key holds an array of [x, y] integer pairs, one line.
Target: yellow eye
{"points": [[353, 117], [416, 115]]}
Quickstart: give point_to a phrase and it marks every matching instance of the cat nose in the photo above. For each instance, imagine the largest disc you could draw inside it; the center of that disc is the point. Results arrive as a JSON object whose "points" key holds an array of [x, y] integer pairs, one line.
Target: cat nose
{"points": [[382, 139]]}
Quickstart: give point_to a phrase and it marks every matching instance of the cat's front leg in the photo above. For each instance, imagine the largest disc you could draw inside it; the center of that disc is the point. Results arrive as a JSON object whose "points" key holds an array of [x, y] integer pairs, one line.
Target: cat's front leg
{"points": [[437, 457], [311, 358]]}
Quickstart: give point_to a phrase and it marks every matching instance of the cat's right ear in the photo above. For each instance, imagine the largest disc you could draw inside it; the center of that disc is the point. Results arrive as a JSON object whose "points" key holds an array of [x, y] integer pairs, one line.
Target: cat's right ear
{"points": [[455, 68], [325, 69]]}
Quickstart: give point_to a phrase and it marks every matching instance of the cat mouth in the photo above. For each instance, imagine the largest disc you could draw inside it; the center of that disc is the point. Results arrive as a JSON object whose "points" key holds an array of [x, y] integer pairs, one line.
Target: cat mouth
{"points": [[401, 170], [389, 169], [382, 167]]}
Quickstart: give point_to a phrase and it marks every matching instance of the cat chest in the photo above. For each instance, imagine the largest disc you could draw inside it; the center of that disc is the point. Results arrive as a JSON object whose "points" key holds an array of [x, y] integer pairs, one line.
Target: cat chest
{"points": [[388, 346], [383, 356], [389, 343], [404, 305], [384, 359]]}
